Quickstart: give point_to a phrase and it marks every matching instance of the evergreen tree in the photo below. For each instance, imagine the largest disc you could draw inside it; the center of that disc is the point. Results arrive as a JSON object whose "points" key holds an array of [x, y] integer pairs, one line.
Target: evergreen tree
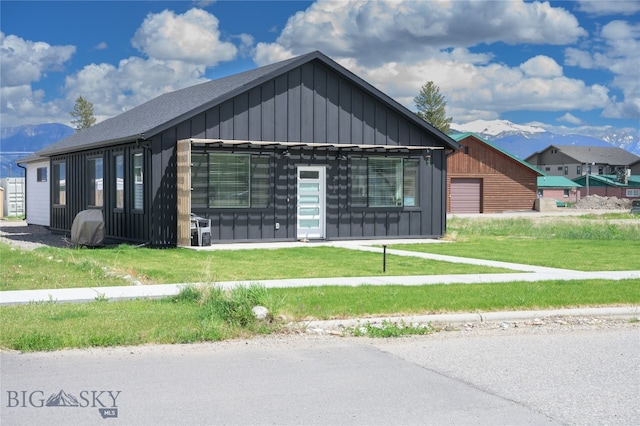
{"points": [[432, 107], [82, 114]]}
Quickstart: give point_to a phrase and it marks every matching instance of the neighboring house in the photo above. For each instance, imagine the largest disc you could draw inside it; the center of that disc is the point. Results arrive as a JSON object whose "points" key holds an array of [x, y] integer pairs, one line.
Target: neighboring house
{"points": [[573, 161], [37, 197], [635, 167], [483, 178], [300, 149], [610, 186], [558, 188]]}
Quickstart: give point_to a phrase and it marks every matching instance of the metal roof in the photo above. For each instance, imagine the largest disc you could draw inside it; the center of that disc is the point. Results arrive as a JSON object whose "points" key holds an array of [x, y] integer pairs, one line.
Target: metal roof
{"points": [[597, 154], [460, 136], [611, 180], [556, 182], [167, 110]]}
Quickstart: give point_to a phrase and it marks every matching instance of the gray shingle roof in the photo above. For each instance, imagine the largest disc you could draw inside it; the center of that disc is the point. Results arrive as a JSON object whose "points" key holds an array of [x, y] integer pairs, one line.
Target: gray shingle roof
{"points": [[151, 117], [169, 109], [598, 154]]}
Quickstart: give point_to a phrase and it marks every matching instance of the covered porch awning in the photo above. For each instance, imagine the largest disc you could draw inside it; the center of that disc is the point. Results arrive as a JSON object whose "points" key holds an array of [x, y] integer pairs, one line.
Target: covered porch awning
{"points": [[184, 148], [312, 145]]}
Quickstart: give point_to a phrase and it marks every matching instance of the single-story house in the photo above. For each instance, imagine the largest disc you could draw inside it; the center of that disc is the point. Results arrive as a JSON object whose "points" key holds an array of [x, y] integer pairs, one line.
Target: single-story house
{"points": [[483, 178], [558, 188], [296, 150], [610, 186], [572, 161], [37, 190]]}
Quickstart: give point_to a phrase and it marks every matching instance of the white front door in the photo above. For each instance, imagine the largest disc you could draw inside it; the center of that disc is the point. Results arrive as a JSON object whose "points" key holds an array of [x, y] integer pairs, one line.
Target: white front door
{"points": [[311, 202]]}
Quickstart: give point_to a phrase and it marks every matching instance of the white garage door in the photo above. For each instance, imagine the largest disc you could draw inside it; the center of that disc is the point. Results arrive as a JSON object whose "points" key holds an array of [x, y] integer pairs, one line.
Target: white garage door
{"points": [[465, 195]]}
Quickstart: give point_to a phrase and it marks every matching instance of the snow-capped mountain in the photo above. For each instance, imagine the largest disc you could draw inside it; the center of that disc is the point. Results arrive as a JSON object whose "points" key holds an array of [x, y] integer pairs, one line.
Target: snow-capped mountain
{"points": [[496, 128], [524, 140], [518, 139]]}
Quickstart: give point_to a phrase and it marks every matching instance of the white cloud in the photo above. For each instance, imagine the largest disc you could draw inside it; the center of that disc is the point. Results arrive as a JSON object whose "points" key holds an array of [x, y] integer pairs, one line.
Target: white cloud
{"points": [[101, 46], [179, 48], [191, 37], [24, 61], [373, 31], [616, 52], [541, 66], [570, 118], [602, 8]]}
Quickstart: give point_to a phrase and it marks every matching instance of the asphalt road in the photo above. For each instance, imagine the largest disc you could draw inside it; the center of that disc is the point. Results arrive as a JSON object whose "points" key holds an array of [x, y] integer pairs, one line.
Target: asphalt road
{"points": [[499, 377]]}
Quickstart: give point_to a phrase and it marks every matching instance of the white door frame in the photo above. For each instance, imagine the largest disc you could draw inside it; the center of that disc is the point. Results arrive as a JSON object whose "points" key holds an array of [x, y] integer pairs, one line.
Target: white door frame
{"points": [[311, 213]]}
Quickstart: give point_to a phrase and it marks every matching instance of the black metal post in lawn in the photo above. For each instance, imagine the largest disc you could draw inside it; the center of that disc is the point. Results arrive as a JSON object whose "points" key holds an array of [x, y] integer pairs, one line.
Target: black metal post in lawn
{"points": [[384, 258]]}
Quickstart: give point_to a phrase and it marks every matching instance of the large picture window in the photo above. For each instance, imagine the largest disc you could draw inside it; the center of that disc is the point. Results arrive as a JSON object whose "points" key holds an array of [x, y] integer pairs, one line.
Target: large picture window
{"points": [[59, 183], [95, 182], [222, 180], [138, 181], [384, 182]]}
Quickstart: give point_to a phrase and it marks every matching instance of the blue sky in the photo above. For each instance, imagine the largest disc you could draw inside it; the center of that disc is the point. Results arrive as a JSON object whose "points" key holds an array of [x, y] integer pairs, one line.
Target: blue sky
{"points": [[561, 64]]}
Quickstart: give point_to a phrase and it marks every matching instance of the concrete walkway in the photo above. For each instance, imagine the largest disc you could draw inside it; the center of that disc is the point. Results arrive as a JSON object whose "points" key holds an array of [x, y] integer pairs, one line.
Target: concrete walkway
{"points": [[525, 273]]}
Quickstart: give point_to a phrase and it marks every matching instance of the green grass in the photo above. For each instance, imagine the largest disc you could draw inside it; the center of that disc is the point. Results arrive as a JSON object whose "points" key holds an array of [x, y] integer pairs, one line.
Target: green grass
{"points": [[210, 314], [348, 302], [567, 243], [581, 255], [45, 268], [192, 316]]}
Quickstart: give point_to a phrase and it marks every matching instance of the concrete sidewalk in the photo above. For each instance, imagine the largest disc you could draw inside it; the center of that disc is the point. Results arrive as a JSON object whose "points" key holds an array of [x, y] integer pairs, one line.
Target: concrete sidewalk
{"points": [[525, 273]]}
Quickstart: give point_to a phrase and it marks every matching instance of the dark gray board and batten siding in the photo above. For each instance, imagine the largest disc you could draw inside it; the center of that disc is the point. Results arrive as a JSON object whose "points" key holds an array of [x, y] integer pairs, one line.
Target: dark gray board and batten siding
{"points": [[309, 103]]}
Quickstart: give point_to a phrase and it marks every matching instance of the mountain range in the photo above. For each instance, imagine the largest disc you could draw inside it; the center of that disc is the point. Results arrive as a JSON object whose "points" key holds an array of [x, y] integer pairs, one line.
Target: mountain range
{"points": [[519, 140], [524, 140], [17, 143]]}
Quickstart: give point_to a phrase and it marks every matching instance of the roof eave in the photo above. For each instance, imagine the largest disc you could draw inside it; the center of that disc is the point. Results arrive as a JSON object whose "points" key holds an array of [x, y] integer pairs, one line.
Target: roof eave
{"points": [[50, 153]]}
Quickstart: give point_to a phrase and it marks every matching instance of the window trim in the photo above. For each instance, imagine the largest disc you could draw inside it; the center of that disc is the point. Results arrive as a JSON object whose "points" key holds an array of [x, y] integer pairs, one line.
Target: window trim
{"points": [[138, 153], [252, 183], [115, 183], [56, 196], [357, 206], [40, 173], [92, 187]]}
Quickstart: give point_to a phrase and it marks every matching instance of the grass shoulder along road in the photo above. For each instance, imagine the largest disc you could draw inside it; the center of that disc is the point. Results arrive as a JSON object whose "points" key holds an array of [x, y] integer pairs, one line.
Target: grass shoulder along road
{"points": [[210, 314]]}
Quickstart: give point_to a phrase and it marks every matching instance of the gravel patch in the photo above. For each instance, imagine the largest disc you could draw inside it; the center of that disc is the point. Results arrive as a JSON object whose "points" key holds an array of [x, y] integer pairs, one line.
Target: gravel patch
{"points": [[29, 237]]}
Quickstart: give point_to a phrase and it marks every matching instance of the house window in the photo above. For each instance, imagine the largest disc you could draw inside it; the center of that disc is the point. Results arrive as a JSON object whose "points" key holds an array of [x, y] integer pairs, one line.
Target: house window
{"points": [[41, 174], [600, 170], [466, 150], [566, 193], [230, 180], [138, 181], [540, 193], [547, 169], [633, 193], [119, 180], [566, 170], [579, 170], [384, 182], [559, 168], [59, 183], [94, 173]]}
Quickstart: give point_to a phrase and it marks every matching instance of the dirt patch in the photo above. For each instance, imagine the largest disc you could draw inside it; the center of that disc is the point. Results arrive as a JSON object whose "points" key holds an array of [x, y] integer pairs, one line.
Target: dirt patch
{"points": [[596, 202]]}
